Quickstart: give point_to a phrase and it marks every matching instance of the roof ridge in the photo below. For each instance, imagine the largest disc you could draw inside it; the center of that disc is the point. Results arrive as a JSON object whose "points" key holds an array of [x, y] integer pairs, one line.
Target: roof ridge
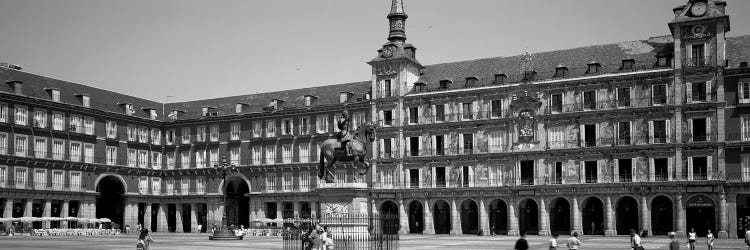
{"points": [[271, 92]]}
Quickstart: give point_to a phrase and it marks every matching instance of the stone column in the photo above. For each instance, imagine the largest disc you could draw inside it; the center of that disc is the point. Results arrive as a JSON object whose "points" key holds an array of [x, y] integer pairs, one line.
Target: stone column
{"points": [[147, 217], [28, 207], [194, 218], [544, 227], [162, 224], [279, 209], [178, 218], [8, 212], [64, 214], [512, 218], [723, 218], [297, 208], [577, 222], [131, 216], [455, 219], [645, 225], [680, 217], [47, 212], [732, 203], [314, 209], [610, 230], [429, 225], [403, 218], [484, 218]]}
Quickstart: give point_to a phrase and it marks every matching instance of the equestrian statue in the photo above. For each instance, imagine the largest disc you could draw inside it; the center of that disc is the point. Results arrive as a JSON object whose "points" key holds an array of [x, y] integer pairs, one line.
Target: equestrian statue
{"points": [[349, 146]]}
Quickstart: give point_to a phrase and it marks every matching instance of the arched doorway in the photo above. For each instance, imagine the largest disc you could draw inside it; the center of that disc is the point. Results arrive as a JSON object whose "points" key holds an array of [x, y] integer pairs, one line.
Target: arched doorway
{"points": [[238, 204], [701, 215], [441, 214], [593, 216], [110, 202], [389, 211], [626, 215], [498, 217], [528, 217], [559, 216], [469, 217], [661, 215], [416, 217]]}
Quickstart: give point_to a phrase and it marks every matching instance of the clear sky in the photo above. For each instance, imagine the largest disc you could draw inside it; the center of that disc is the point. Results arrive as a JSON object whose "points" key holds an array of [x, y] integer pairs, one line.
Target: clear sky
{"points": [[199, 49]]}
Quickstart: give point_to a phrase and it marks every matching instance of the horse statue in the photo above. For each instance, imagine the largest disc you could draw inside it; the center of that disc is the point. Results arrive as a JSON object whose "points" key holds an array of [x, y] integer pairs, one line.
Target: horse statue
{"points": [[332, 151]]}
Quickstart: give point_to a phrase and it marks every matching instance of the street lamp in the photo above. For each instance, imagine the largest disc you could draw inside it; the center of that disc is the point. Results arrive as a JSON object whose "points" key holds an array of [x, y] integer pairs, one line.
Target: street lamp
{"points": [[224, 169]]}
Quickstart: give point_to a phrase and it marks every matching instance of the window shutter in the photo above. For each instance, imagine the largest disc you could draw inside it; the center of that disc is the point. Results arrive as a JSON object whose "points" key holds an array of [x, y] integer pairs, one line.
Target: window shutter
{"points": [[394, 150], [582, 140], [689, 92], [447, 144], [381, 148], [616, 170], [690, 168], [460, 143], [471, 176], [582, 172], [740, 92], [650, 132], [433, 147], [407, 177], [690, 130], [632, 168], [475, 110], [596, 135], [652, 94], [651, 168], [460, 111], [668, 129], [708, 128], [670, 168], [433, 176], [709, 167], [708, 91]]}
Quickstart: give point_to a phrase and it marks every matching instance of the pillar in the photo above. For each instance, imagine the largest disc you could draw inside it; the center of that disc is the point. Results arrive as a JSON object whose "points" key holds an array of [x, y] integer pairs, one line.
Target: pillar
{"points": [[8, 212], [577, 221], [512, 218], [194, 218], [732, 203], [314, 209], [131, 216], [681, 226], [47, 212], [723, 218], [27, 207], [403, 218], [279, 210], [64, 214], [178, 218], [645, 225], [147, 217], [219, 213], [162, 224], [297, 208], [455, 219], [543, 218], [610, 230], [484, 219], [429, 225]]}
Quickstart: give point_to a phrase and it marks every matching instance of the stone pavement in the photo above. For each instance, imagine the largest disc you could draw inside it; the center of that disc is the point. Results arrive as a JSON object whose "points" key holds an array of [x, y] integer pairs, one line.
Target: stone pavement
{"points": [[416, 242]]}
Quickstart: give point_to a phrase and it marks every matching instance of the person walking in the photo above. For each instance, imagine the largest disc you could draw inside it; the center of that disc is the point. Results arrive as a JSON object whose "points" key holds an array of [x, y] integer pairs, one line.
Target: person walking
{"points": [[747, 238], [144, 240], [635, 240], [200, 228], [553, 242], [573, 241], [521, 243], [673, 244], [692, 236], [710, 240]]}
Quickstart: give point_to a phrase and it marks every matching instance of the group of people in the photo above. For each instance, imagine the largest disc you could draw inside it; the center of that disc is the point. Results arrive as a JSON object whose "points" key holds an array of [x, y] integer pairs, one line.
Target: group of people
{"points": [[318, 238], [573, 242], [144, 238], [635, 241]]}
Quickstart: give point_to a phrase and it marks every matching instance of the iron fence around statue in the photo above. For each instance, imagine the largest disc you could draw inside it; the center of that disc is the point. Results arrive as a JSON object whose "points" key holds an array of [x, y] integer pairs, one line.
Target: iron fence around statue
{"points": [[345, 231]]}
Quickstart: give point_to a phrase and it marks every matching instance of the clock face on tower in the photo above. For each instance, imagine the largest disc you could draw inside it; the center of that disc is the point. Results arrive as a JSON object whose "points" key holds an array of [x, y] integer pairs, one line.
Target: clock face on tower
{"points": [[387, 52], [698, 9]]}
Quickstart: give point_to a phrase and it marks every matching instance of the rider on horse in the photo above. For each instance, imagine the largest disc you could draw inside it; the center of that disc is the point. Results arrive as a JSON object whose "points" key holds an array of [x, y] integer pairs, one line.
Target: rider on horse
{"points": [[345, 134]]}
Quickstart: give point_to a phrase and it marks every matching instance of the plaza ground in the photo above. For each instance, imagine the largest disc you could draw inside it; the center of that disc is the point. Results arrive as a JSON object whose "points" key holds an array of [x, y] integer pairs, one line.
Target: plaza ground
{"points": [[195, 241]]}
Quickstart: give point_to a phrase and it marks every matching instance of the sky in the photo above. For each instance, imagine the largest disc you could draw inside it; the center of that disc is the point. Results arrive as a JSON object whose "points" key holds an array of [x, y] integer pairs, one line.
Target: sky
{"points": [[183, 50]]}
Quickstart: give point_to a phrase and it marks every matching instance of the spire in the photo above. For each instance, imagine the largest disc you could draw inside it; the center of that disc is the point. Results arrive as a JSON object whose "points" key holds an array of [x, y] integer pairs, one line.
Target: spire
{"points": [[397, 21]]}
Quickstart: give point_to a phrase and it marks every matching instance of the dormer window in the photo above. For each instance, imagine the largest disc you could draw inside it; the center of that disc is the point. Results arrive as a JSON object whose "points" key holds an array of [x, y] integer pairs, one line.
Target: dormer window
{"points": [[561, 71], [54, 94], [85, 100], [627, 64], [173, 114], [445, 84], [593, 68], [420, 87], [663, 61], [309, 100], [152, 114], [204, 111], [275, 104], [471, 81], [344, 96], [529, 75], [128, 108], [238, 107], [500, 78]]}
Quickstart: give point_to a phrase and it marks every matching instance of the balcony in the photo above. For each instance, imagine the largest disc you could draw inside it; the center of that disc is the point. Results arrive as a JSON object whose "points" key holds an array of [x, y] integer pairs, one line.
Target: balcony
{"points": [[689, 61], [42, 186]]}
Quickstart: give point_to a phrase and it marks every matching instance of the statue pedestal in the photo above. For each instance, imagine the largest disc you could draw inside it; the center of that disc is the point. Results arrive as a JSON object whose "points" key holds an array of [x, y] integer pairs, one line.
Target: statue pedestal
{"points": [[344, 210]]}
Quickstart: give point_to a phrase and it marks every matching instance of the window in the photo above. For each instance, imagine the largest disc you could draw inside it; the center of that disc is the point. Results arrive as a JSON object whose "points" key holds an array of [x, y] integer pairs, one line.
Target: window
{"points": [[270, 181], [55, 95], [286, 153], [440, 177], [270, 155], [234, 133], [257, 156], [527, 172], [698, 55], [156, 136], [414, 178], [200, 185], [200, 135], [467, 110], [625, 170], [58, 179], [700, 129], [111, 156], [238, 108], [286, 181], [40, 179], [169, 136], [659, 131], [661, 169], [387, 117], [21, 113], [75, 124], [445, 84], [142, 158], [22, 144], [413, 146], [557, 103], [304, 152], [3, 112], [343, 97], [593, 68], [215, 157], [743, 92], [467, 143], [495, 141], [664, 62], [698, 91], [3, 175], [86, 101], [557, 173], [623, 97], [386, 88], [129, 109], [386, 146], [413, 115], [3, 143], [200, 158], [132, 157], [496, 108], [132, 132], [88, 153], [590, 170], [185, 185], [589, 100], [699, 168], [143, 185], [40, 147], [556, 137], [358, 119], [155, 185], [40, 118], [186, 135], [257, 129], [58, 121], [156, 160], [170, 186], [304, 181], [88, 125], [439, 142], [440, 112], [75, 151], [588, 135], [623, 133], [659, 94], [322, 124], [75, 181], [20, 177], [170, 160], [58, 149], [270, 128], [185, 160], [286, 127], [628, 64], [308, 101], [111, 129], [214, 136], [234, 156]]}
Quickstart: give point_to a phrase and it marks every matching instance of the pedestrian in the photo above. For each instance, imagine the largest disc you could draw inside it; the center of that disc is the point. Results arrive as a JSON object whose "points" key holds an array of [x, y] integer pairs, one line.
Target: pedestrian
{"points": [[200, 228], [673, 244], [521, 243], [747, 238], [213, 228], [573, 241], [327, 238], [144, 240], [553, 242], [635, 240], [691, 238], [127, 228], [315, 237], [710, 240]]}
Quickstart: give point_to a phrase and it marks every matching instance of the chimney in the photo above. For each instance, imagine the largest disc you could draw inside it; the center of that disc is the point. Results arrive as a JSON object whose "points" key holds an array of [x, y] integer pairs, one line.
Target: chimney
{"points": [[678, 10], [17, 87]]}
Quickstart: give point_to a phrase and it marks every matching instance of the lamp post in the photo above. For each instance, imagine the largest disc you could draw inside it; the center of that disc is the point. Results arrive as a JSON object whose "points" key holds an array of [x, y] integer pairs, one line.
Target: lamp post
{"points": [[224, 233]]}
